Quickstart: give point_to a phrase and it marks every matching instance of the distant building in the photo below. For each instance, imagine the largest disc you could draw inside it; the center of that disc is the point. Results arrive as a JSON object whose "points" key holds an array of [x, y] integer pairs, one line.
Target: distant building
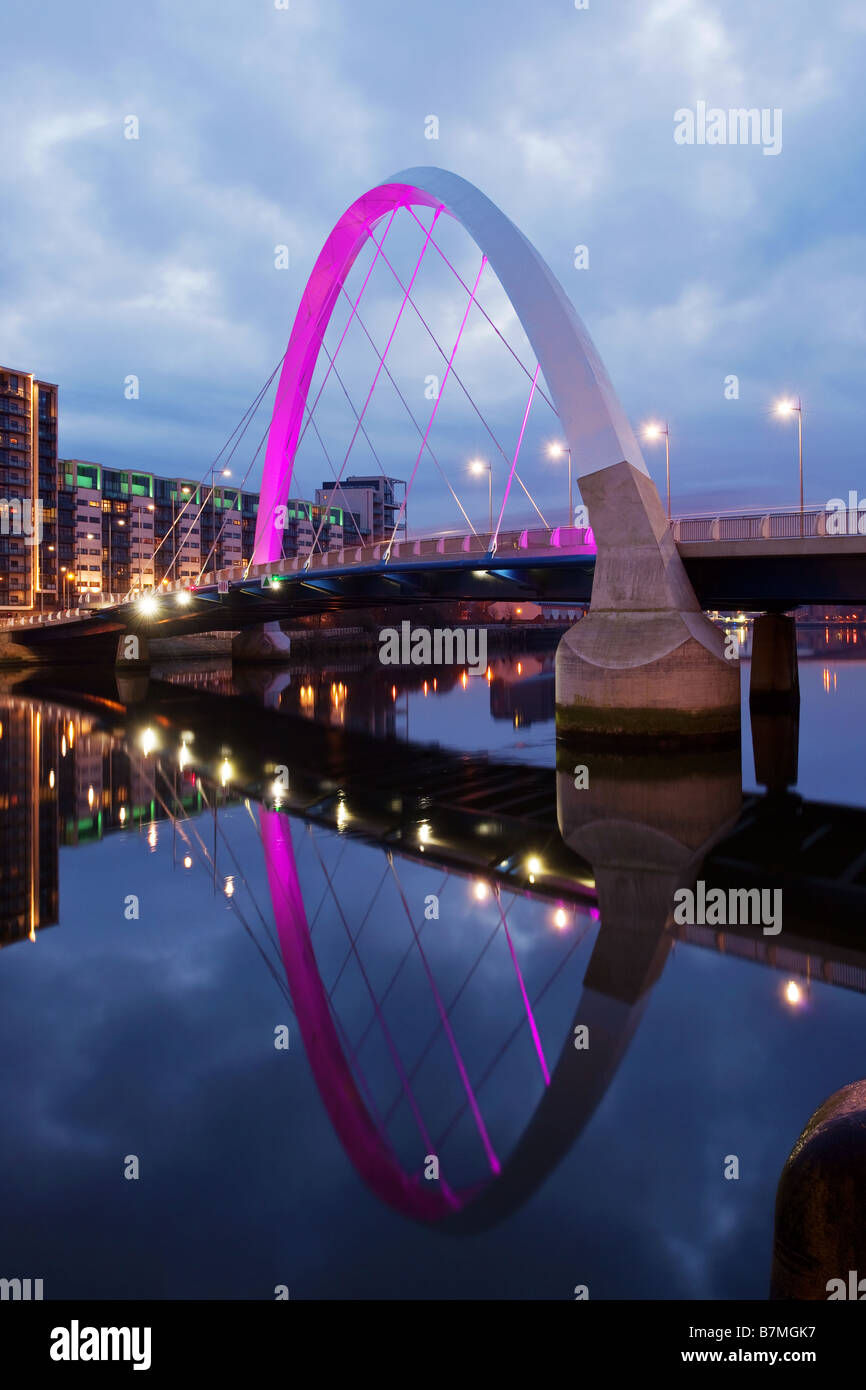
{"points": [[131, 530], [305, 521], [372, 505], [106, 531], [28, 476]]}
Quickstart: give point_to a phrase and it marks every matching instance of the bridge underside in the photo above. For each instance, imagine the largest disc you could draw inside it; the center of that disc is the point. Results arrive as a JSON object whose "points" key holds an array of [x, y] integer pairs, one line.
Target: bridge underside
{"points": [[722, 582]]}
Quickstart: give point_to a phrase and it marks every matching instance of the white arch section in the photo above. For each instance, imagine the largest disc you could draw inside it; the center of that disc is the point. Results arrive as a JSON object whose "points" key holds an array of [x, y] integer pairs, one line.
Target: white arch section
{"points": [[594, 423]]}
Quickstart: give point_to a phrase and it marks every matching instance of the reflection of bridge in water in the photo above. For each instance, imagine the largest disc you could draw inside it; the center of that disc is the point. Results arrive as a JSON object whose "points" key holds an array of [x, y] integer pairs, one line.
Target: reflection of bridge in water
{"points": [[518, 833]]}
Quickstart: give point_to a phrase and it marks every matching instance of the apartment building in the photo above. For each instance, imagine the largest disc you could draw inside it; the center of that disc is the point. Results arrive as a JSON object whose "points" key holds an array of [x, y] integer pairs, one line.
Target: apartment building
{"points": [[28, 476], [73, 528], [131, 531], [372, 505]]}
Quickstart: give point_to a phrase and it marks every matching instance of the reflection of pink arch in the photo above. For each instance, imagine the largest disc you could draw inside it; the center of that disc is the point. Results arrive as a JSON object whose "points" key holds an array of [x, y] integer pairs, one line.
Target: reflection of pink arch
{"points": [[594, 422], [577, 1084], [348, 1113]]}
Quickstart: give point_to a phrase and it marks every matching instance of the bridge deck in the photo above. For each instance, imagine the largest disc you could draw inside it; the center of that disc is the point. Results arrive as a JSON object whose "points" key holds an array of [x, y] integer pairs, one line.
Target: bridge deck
{"points": [[733, 563]]}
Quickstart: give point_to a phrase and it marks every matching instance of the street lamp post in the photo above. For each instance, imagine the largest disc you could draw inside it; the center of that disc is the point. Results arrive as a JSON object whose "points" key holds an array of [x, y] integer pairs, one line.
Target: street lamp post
{"points": [[555, 451], [120, 522], [151, 507], [478, 466], [656, 432], [787, 408], [225, 473]]}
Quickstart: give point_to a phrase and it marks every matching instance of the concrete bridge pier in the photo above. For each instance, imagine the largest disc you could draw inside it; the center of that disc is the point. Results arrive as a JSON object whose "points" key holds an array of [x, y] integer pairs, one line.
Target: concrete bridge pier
{"points": [[775, 681], [265, 642], [645, 662], [774, 701]]}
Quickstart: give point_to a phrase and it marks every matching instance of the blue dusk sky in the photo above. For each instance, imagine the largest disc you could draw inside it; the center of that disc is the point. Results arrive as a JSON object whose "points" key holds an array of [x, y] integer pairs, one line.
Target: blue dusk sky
{"points": [[257, 126]]}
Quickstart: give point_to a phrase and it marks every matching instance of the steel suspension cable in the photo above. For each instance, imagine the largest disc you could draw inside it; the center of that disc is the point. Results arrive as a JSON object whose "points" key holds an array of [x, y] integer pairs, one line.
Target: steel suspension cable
{"points": [[384, 355], [462, 385], [245, 421], [322, 311], [417, 427], [405, 500], [514, 463], [497, 331]]}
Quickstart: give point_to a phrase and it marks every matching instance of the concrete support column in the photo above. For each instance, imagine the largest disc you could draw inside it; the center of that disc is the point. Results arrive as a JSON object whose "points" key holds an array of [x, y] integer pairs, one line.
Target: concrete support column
{"points": [[775, 682], [645, 662], [266, 642]]}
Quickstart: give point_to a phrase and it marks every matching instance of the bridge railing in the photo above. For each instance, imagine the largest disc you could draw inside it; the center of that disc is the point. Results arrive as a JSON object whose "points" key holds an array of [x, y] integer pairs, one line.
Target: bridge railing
{"points": [[561, 537], [755, 525], [788, 525]]}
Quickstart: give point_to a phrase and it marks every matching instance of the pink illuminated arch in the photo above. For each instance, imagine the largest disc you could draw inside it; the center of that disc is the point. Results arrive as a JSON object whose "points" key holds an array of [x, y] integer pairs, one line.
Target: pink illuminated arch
{"points": [[595, 425]]}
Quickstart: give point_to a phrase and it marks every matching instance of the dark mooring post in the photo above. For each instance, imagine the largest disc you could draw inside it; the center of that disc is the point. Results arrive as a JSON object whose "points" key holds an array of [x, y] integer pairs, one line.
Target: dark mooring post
{"points": [[774, 701], [775, 683]]}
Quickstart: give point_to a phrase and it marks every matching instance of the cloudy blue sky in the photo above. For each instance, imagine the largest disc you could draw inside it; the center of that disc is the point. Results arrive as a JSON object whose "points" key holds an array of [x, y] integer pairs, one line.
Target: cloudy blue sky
{"points": [[258, 126]]}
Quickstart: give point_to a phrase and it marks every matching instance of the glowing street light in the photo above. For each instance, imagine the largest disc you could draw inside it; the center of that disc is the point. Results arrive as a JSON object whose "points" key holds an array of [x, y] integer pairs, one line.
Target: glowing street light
{"points": [[556, 451], [148, 606], [789, 408], [478, 466], [655, 432]]}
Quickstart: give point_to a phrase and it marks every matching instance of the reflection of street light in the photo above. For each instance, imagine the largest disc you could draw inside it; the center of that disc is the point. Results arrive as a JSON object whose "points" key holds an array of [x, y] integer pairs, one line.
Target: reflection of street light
{"points": [[788, 408], [656, 432], [478, 466], [556, 451], [796, 992]]}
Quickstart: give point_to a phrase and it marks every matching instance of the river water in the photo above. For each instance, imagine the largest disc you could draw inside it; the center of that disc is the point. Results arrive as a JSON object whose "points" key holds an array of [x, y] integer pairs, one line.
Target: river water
{"points": [[294, 967]]}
